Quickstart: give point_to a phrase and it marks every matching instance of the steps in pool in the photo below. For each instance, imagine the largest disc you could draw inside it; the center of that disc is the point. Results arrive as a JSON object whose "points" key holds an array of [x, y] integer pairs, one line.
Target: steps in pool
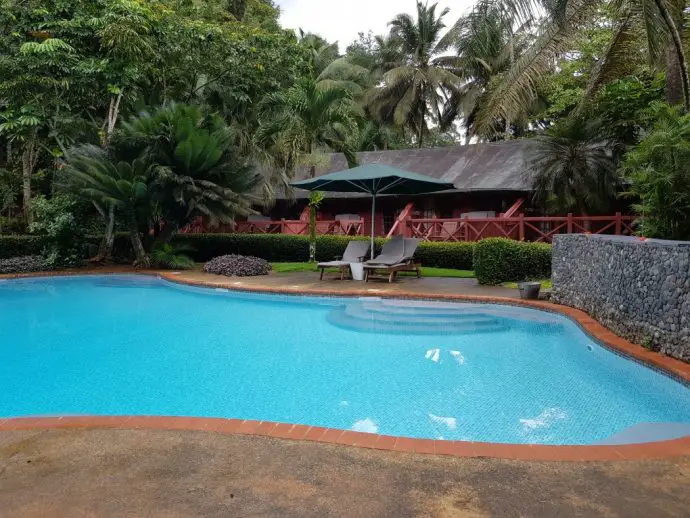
{"points": [[383, 316]]}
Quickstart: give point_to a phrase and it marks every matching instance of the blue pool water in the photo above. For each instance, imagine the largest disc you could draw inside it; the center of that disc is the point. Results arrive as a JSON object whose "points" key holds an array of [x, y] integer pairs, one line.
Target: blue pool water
{"points": [[139, 345]]}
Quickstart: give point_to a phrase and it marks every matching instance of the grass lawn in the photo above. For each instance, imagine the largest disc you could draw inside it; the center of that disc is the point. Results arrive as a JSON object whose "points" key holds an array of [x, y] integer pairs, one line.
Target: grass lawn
{"points": [[545, 284], [426, 272]]}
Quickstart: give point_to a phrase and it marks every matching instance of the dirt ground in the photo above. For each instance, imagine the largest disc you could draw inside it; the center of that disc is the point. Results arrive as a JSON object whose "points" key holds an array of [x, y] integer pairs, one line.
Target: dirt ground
{"points": [[122, 473]]}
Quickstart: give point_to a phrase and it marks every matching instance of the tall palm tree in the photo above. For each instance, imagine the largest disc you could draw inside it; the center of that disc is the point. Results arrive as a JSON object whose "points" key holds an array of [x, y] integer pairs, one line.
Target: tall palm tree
{"points": [[658, 20], [416, 85], [486, 44], [308, 117]]}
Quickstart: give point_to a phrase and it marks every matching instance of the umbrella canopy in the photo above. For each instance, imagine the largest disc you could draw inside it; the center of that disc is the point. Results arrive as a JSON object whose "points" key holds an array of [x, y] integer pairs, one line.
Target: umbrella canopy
{"points": [[374, 179]]}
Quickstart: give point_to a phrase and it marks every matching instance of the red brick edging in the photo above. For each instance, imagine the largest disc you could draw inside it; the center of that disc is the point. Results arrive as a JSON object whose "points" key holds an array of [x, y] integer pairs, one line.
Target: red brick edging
{"points": [[652, 450]]}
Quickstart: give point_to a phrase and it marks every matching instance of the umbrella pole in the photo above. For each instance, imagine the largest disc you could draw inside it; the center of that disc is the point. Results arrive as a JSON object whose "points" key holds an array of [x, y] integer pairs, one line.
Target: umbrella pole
{"points": [[373, 222]]}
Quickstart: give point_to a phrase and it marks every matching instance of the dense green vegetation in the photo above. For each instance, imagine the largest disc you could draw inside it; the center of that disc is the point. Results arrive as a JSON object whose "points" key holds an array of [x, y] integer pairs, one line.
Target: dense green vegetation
{"points": [[498, 260], [140, 116]]}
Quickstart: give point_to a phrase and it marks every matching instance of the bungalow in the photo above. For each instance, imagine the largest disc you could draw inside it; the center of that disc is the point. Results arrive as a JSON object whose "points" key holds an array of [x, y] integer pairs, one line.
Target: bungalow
{"points": [[488, 178], [491, 198]]}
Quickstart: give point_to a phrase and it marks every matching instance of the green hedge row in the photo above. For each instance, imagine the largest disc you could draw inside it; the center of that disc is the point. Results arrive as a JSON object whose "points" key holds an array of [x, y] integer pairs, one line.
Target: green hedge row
{"points": [[16, 246], [287, 248], [21, 245], [494, 260], [498, 260]]}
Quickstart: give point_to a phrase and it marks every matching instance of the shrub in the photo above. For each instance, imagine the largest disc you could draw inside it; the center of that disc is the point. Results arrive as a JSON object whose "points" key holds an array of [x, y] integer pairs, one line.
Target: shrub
{"points": [[14, 246], [170, 257], [287, 248], [458, 256], [658, 172], [12, 225], [64, 238], [23, 264], [498, 260], [237, 266]]}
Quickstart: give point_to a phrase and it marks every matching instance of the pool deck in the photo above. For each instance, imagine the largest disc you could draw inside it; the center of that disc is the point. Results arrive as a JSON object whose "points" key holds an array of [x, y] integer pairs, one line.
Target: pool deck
{"points": [[154, 473], [432, 288]]}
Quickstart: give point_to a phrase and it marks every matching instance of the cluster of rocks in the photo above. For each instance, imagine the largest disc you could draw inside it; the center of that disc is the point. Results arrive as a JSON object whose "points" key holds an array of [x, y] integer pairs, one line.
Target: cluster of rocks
{"points": [[237, 266], [638, 289], [23, 264]]}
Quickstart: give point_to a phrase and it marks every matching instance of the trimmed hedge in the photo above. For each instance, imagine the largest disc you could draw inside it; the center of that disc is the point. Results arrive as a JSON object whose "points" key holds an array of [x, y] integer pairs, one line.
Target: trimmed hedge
{"points": [[287, 248], [498, 260], [457, 256], [17, 246], [22, 245]]}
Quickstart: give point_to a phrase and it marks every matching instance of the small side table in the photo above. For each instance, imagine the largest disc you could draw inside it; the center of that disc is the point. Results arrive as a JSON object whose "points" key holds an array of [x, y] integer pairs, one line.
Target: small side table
{"points": [[357, 270]]}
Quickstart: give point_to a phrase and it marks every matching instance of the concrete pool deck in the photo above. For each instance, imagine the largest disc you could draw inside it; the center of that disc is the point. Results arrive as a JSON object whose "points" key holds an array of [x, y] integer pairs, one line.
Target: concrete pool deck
{"points": [[122, 473], [438, 289]]}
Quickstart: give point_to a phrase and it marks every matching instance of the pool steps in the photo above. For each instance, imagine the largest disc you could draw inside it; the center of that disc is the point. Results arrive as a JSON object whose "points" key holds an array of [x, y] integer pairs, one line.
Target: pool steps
{"points": [[376, 317]]}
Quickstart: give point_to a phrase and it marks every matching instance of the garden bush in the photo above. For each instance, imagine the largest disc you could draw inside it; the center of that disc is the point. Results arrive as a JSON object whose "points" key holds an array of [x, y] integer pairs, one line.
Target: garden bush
{"points": [[498, 260], [14, 246], [23, 264], [458, 256], [237, 266], [286, 248], [54, 217]]}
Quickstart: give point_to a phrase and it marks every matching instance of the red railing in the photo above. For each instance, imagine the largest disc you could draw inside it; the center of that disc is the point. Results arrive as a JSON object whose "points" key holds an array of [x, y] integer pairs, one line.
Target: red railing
{"points": [[539, 229], [298, 227]]}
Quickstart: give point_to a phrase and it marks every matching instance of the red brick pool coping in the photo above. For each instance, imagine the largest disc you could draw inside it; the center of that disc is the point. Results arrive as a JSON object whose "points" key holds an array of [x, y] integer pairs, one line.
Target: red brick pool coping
{"points": [[651, 450]]}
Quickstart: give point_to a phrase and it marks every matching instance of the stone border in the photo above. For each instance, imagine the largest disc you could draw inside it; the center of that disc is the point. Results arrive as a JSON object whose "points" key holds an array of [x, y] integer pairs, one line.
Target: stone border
{"points": [[651, 450]]}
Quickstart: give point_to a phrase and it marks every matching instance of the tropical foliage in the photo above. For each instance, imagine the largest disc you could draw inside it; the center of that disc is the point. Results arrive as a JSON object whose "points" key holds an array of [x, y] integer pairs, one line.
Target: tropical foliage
{"points": [[155, 114], [660, 176]]}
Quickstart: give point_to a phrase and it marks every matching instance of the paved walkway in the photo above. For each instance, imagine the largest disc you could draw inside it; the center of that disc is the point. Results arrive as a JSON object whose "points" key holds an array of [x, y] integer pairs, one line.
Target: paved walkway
{"points": [[123, 473], [310, 281]]}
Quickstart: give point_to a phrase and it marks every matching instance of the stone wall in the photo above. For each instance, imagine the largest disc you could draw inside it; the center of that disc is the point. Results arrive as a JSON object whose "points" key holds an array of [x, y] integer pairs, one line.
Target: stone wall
{"points": [[638, 289]]}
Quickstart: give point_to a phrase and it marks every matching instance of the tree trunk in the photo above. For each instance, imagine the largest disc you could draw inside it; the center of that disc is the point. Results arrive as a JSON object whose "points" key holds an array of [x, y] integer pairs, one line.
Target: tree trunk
{"points": [[312, 168], [421, 127], [680, 53], [674, 83], [106, 250], [29, 160], [111, 121], [142, 259]]}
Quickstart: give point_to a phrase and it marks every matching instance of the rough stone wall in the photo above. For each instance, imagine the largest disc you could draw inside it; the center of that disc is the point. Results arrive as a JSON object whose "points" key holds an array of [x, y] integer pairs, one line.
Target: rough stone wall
{"points": [[638, 289]]}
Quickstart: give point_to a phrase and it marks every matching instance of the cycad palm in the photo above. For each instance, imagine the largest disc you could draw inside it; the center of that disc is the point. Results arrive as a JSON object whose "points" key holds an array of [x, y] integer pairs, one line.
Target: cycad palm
{"points": [[305, 118], [416, 87], [196, 171], [92, 174]]}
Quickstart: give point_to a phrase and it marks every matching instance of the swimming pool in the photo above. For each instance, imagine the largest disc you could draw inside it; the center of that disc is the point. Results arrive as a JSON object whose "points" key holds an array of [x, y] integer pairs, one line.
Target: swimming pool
{"points": [[134, 345]]}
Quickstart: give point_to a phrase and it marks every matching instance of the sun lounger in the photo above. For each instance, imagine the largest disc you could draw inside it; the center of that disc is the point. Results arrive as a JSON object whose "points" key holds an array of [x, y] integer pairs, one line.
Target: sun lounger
{"points": [[396, 256], [355, 252]]}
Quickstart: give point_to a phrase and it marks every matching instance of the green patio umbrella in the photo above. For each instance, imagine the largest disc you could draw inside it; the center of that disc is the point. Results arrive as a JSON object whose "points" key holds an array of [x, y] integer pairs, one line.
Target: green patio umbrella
{"points": [[375, 180]]}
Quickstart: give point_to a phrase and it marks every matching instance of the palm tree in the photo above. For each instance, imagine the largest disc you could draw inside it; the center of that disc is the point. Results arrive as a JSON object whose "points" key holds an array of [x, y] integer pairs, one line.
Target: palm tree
{"points": [[416, 86], [573, 167], [308, 117], [486, 45], [92, 174], [658, 20]]}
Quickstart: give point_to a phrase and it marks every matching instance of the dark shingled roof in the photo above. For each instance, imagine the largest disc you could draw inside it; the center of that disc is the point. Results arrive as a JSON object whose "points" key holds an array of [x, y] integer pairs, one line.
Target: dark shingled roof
{"points": [[478, 167]]}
